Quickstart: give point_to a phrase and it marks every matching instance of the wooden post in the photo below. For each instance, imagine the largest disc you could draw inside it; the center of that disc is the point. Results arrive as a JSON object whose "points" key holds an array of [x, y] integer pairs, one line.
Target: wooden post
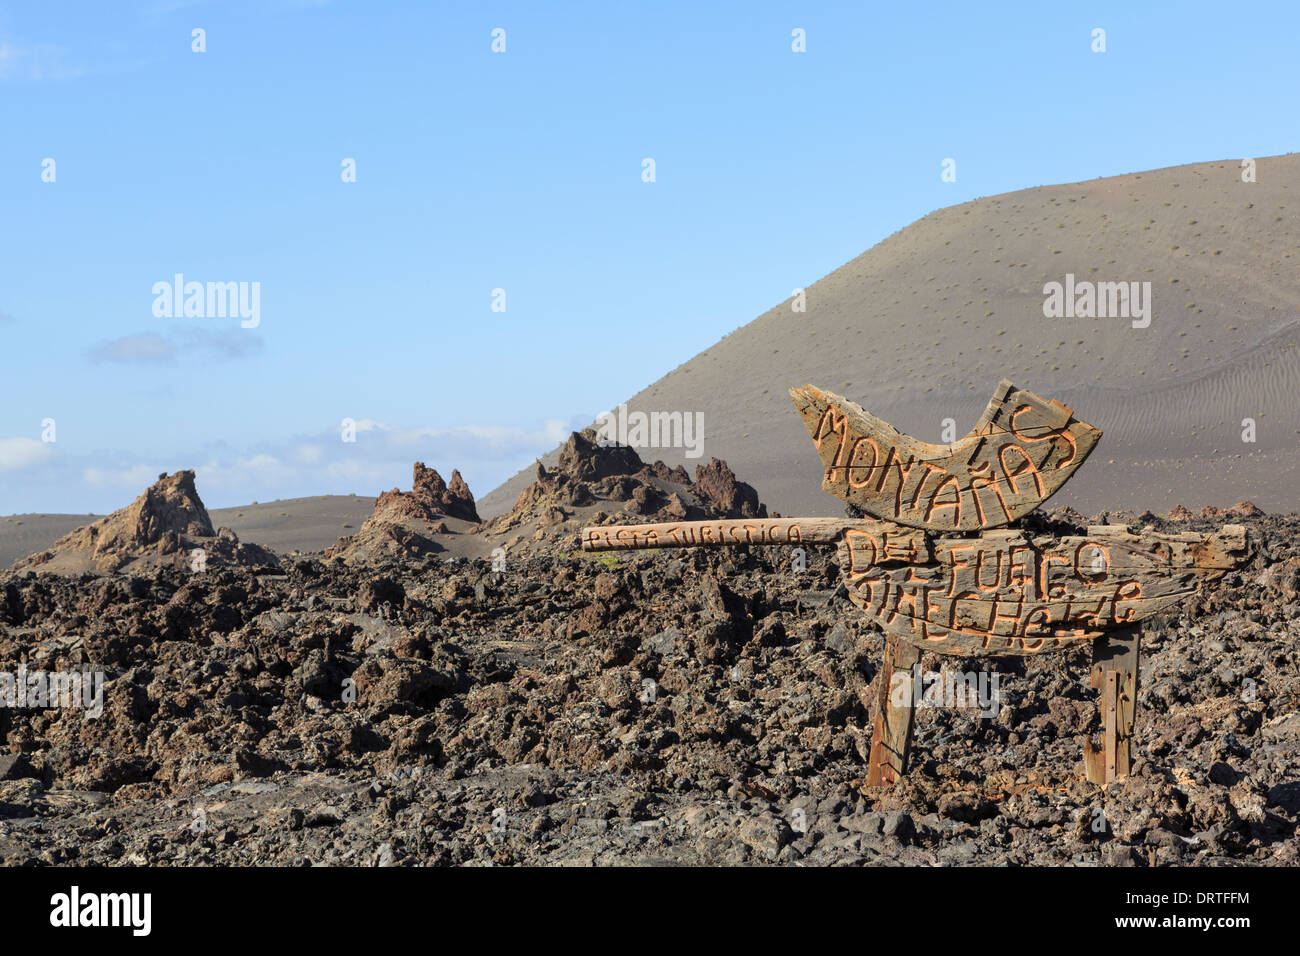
{"points": [[1115, 674], [891, 734]]}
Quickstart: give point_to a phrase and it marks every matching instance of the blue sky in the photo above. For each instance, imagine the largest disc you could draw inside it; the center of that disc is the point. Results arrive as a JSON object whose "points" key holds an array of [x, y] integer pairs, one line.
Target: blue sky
{"points": [[521, 171]]}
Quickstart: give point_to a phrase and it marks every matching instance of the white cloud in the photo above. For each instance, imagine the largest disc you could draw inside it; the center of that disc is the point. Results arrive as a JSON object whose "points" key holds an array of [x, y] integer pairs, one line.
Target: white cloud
{"points": [[380, 458], [260, 463], [363, 472], [135, 478], [221, 343], [144, 347], [302, 465], [309, 454], [43, 61], [152, 347], [22, 452], [250, 472], [497, 438]]}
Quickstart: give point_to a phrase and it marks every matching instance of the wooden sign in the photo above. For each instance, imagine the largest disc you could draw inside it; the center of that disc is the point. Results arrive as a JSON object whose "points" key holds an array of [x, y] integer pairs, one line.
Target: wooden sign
{"points": [[1006, 592], [714, 534], [1020, 452], [997, 590]]}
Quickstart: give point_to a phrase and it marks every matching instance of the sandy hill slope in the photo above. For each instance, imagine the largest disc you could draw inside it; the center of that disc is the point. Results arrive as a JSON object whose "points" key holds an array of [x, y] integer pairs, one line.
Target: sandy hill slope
{"points": [[24, 534], [921, 328]]}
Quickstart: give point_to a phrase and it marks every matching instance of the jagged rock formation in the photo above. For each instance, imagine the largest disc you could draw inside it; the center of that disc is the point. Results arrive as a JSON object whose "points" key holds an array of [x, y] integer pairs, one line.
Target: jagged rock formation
{"points": [[599, 484], [429, 499], [1242, 509], [582, 458], [590, 484], [406, 524], [717, 485], [164, 526]]}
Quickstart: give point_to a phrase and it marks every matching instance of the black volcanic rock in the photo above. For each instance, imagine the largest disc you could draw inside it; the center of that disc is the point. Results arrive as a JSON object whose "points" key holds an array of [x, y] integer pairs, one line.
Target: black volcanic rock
{"points": [[583, 459], [429, 499], [589, 475], [716, 484], [399, 708]]}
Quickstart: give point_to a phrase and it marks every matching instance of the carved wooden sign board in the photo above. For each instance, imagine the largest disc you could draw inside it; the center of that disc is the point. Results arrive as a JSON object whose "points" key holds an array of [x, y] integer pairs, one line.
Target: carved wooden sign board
{"points": [[939, 565]]}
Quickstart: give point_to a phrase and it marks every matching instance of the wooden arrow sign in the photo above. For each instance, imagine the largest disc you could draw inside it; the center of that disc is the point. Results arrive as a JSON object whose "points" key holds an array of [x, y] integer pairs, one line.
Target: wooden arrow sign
{"points": [[1020, 452], [1006, 592], [999, 591]]}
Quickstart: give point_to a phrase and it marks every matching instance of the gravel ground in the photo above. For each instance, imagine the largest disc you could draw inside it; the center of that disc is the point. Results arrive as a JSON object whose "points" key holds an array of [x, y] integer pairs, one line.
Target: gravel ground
{"points": [[645, 708]]}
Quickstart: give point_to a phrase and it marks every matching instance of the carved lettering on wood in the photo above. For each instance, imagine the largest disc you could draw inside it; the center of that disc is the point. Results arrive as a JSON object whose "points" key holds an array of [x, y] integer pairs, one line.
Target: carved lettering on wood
{"points": [[1007, 593], [725, 532], [1022, 450]]}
